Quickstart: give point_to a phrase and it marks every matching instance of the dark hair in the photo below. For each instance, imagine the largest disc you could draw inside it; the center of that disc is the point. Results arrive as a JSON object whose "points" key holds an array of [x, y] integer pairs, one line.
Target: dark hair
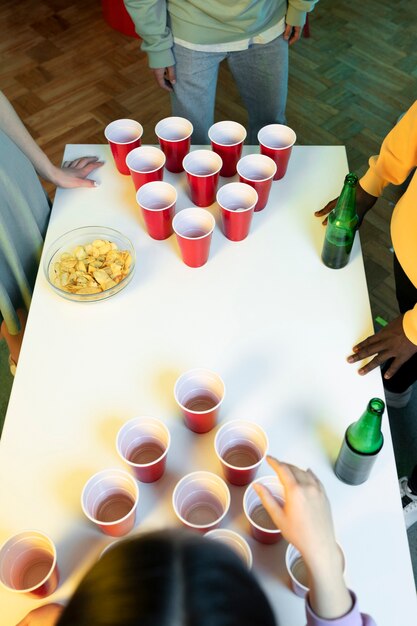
{"points": [[168, 579]]}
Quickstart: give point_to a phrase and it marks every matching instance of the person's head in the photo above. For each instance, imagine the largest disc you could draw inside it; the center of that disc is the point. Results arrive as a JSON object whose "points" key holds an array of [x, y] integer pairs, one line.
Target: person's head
{"points": [[168, 579]]}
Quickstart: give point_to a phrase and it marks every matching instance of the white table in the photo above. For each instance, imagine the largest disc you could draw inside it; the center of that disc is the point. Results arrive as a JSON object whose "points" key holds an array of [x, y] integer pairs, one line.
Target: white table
{"points": [[268, 316]]}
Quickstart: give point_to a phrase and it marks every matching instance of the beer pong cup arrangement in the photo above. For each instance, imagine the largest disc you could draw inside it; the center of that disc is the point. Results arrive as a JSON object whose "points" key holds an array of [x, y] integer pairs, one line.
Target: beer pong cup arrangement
{"points": [[201, 500], [237, 202], [174, 135], [297, 570], [276, 141], [145, 164], [234, 541], [241, 447], [193, 228], [199, 393], [261, 525], [109, 499], [123, 136], [202, 168], [227, 141], [28, 564], [257, 171], [143, 443], [157, 201]]}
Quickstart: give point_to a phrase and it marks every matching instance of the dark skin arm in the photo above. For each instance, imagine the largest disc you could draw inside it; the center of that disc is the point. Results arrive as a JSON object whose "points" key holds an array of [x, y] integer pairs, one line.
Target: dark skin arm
{"points": [[391, 342]]}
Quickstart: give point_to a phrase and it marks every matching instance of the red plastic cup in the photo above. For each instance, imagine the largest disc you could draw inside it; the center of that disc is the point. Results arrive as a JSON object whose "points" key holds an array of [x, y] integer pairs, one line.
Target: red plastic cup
{"points": [[202, 168], [123, 136], [261, 525], [297, 570], [157, 201], [276, 141], [257, 171], [241, 447], [109, 499], [143, 443], [28, 564], [201, 500], [174, 135], [237, 202], [227, 140], [199, 393], [145, 164], [234, 541], [193, 228]]}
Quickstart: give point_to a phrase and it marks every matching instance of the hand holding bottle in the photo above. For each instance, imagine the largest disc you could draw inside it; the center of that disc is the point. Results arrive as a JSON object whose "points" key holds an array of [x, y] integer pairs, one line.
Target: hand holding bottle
{"points": [[364, 202], [305, 520]]}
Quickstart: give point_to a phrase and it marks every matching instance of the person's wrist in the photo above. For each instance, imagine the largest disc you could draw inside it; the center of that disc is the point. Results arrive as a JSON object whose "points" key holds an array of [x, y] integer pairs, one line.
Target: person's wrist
{"points": [[324, 562]]}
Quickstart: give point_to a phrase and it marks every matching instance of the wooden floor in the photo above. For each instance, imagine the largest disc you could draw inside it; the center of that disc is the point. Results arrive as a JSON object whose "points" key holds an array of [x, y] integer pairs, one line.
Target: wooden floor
{"points": [[68, 74]]}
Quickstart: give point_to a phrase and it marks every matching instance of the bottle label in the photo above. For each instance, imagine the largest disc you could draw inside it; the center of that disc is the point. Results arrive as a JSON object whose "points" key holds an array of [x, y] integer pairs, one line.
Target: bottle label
{"points": [[352, 467]]}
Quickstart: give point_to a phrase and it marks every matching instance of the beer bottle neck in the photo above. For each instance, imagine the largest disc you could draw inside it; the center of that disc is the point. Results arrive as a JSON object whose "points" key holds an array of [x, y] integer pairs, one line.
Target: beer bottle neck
{"points": [[365, 435], [345, 208]]}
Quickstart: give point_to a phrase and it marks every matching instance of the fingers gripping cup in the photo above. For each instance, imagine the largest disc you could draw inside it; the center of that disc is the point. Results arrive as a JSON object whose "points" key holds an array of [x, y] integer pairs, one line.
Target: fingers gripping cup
{"points": [[157, 201], [123, 136], [237, 202], [28, 564], [234, 541], [276, 141], [227, 141], [199, 393], [261, 525], [174, 135], [241, 447], [145, 164], [201, 500], [202, 168], [193, 228], [257, 171], [143, 443], [109, 499]]}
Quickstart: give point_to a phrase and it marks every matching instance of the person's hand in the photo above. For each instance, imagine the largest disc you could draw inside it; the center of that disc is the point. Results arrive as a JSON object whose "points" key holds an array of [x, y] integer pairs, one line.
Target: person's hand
{"points": [[292, 33], [304, 519], [74, 173], [364, 202], [165, 77], [389, 343], [46, 615]]}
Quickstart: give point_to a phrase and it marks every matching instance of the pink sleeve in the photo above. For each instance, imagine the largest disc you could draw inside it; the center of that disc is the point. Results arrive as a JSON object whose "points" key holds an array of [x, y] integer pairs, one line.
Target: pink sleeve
{"points": [[353, 618]]}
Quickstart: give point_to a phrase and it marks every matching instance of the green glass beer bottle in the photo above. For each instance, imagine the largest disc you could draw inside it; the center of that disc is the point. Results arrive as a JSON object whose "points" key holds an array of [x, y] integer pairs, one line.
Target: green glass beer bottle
{"points": [[362, 442], [342, 223]]}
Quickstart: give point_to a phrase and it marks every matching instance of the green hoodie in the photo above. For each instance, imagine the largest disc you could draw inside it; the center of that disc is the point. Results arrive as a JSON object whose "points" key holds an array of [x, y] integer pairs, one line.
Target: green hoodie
{"points": [[157, 22]]}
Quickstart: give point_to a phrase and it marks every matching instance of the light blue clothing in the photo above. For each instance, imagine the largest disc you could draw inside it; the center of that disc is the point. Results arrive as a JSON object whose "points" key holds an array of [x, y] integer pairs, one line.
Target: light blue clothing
{"points": [[24, 217], [261, 75]]}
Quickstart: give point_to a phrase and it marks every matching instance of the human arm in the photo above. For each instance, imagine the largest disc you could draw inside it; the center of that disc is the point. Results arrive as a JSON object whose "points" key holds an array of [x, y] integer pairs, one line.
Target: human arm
{"points": [[305, 521], [150, 20], [296, 17], [72, 174], [46, 615]]}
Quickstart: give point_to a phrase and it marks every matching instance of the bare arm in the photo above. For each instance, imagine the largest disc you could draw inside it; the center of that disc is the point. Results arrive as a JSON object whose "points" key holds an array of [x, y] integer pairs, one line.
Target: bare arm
{"points": [[72, 174]]}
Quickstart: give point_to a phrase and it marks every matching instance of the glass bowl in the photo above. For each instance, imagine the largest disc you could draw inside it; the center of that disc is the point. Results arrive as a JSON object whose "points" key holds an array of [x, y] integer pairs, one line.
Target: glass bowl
{"points": [[81, 237]]}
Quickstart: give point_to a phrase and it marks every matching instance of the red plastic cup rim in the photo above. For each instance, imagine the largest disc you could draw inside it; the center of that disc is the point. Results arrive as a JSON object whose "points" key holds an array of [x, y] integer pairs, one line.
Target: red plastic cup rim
{"points": [[268, 531], [214, 408], [208, 152], [167, 121], [249, 189], [156, 184], [235, 467], [213, 477], [256, 180], [151, 463], [225, 124], [150, 149], [277, 127], [19, 537], [178, 216], [132, 123], [117, 521]]}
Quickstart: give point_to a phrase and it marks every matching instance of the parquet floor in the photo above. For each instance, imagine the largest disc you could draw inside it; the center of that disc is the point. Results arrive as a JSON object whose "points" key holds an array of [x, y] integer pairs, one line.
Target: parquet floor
{"points": [[68, 74]]}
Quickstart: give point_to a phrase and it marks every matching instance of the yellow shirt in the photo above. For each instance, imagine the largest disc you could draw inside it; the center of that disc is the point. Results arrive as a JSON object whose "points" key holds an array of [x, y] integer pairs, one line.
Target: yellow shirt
{"points": [[397, 158]]}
